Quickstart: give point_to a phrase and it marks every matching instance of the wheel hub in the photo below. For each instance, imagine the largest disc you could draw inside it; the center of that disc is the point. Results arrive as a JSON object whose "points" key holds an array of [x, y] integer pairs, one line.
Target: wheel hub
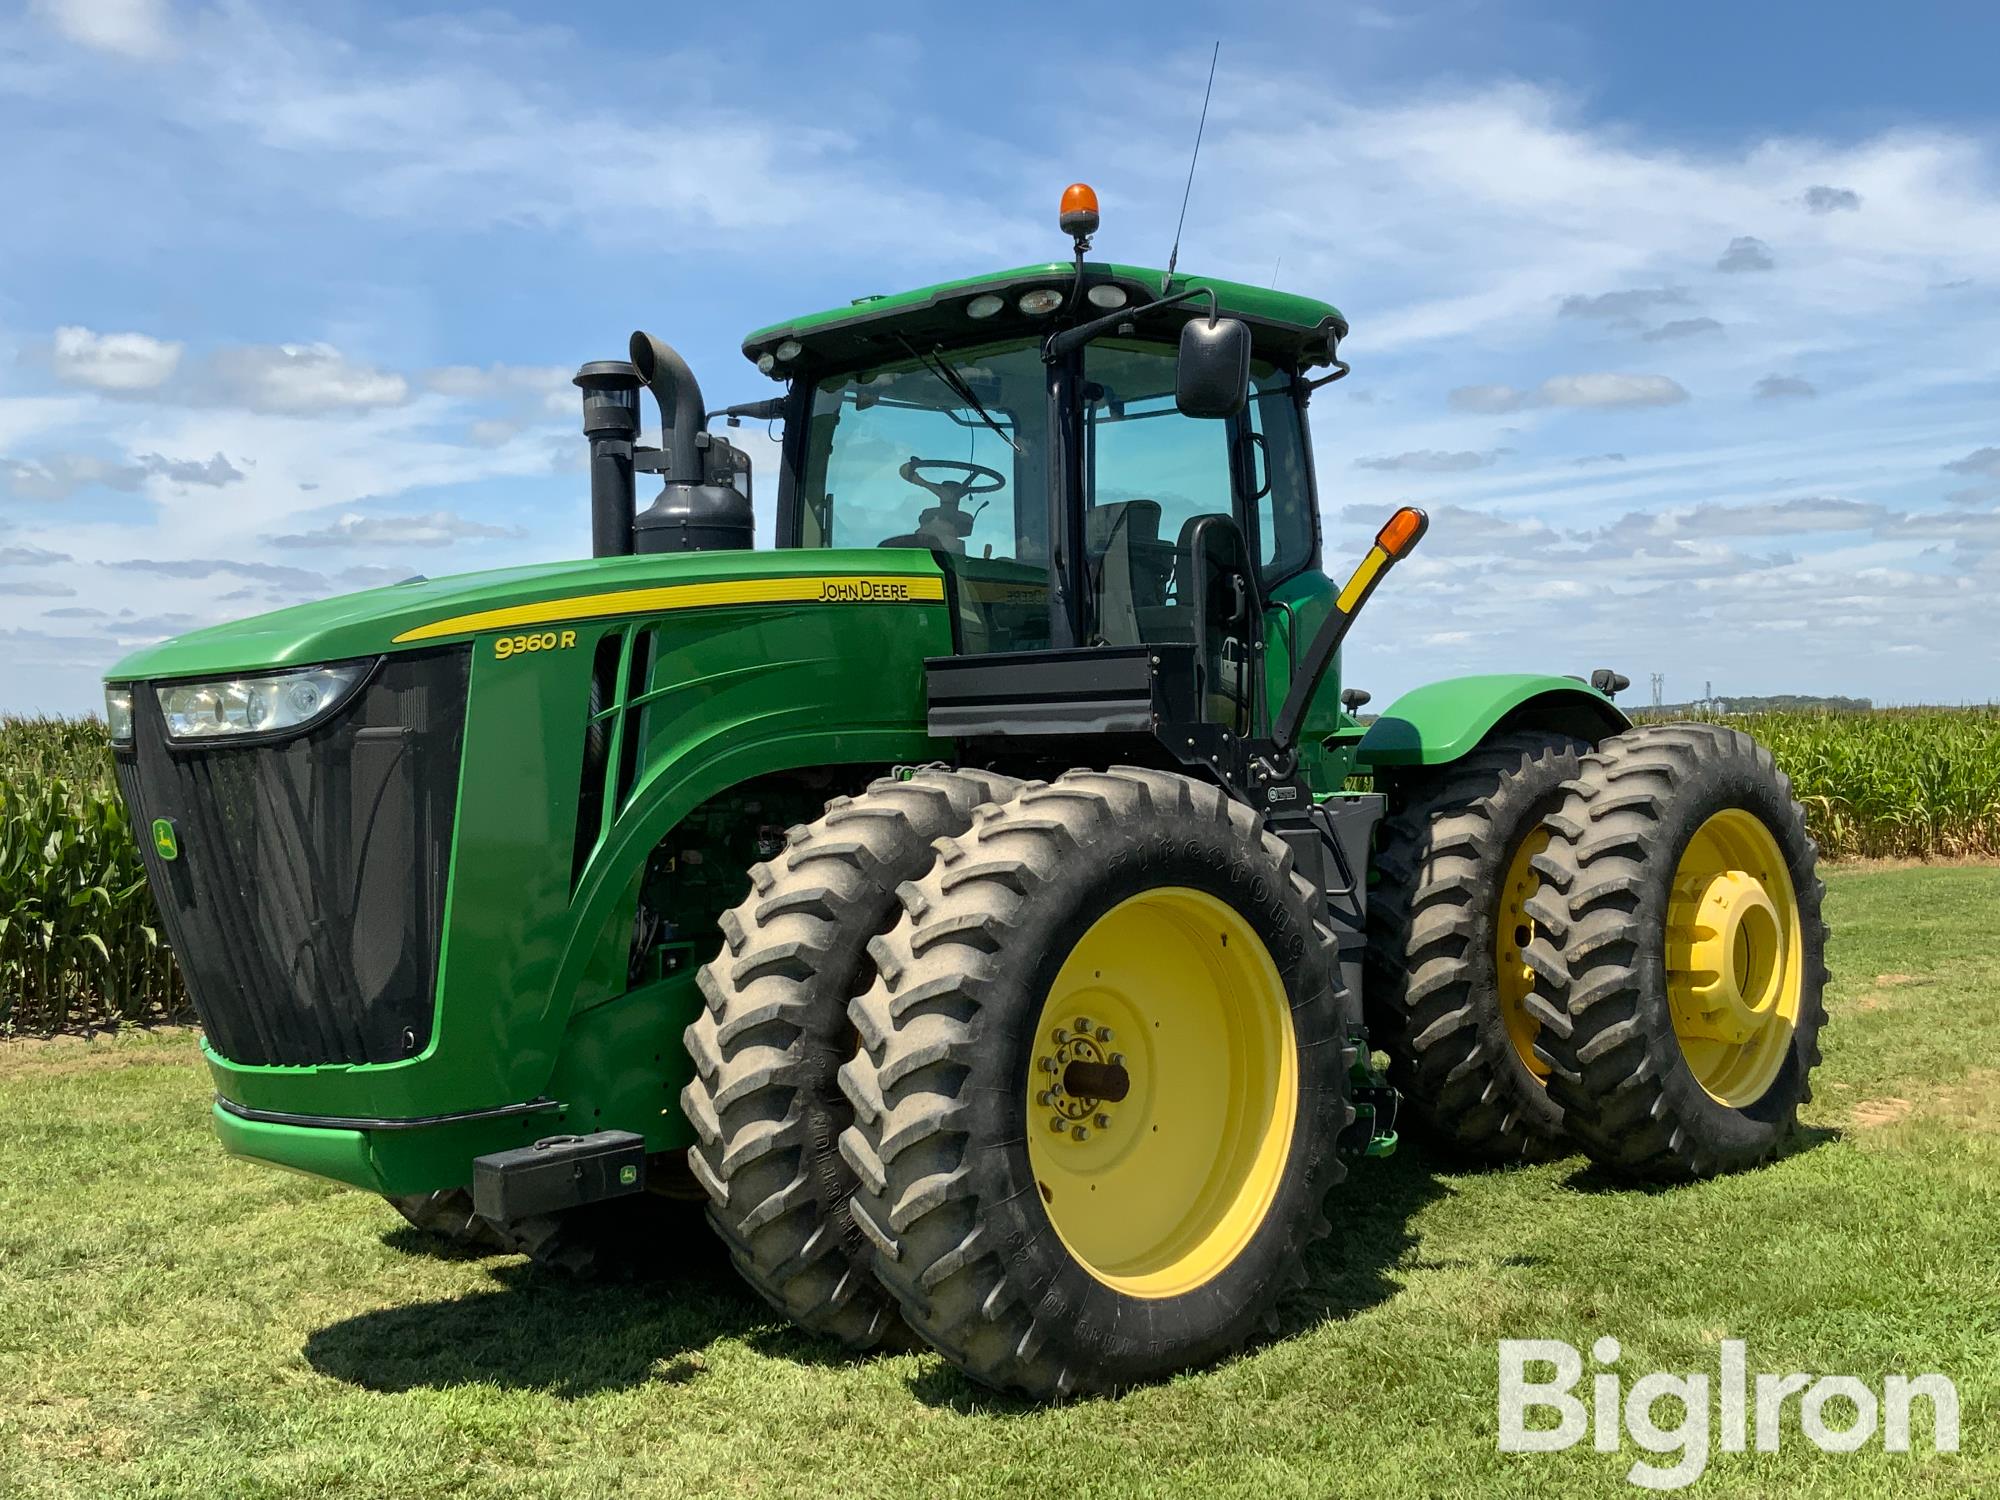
{"points": [[1729, 927], [1513, 930], [1084, 1082], [1734, 968], [1162, 1092]]}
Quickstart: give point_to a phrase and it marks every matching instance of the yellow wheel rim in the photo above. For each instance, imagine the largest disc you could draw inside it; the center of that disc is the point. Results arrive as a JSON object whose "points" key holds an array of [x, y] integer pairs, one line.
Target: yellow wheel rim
{"points": [[1513, 930], [1735, 961], [1172, 997]]}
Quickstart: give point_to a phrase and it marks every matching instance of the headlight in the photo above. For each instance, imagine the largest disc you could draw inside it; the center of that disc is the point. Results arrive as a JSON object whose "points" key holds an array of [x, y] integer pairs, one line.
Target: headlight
{"points": [[1040, 302], [1105, 295], [118, 714], [257, 705], [985, 305]]}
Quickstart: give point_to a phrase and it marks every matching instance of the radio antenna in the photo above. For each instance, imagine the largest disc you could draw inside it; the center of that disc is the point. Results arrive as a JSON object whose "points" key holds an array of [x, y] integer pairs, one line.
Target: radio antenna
{"points": [[1174, 256]]}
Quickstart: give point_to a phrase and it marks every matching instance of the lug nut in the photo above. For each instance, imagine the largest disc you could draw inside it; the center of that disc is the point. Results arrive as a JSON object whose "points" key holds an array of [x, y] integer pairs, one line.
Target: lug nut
{"points": [[1104, 1122], [1104, 1033], [1117, 1059], [1083, 1024], [1058, 1124], [1047, 1064], [1080, 1133], [1045, 1098], [1059, 1036]]}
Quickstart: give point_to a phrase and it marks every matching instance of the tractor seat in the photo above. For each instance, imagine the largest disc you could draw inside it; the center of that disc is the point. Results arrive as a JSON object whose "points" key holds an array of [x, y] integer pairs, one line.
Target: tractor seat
{"points": [[1117, 537]]}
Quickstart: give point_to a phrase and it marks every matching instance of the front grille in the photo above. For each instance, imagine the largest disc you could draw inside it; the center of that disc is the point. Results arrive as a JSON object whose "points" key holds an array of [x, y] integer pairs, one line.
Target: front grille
{"points": [[307, 900]]}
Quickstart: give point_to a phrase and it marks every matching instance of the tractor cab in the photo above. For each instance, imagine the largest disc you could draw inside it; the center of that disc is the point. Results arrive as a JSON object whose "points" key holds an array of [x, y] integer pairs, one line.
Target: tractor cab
{"points": [[1112, 467]]}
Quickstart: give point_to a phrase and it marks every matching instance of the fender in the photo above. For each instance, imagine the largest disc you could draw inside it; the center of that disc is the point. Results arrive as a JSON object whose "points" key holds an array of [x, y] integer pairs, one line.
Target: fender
{"points": [[1442, 721]]}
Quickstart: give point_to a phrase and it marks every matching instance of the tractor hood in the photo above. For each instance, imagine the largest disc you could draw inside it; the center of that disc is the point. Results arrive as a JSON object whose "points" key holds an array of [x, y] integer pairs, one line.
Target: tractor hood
{"points": [[427, 612]]}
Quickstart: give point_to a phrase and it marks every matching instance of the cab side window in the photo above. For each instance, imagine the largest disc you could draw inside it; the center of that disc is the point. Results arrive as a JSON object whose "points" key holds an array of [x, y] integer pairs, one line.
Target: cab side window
{"points": [[1277, 471]]}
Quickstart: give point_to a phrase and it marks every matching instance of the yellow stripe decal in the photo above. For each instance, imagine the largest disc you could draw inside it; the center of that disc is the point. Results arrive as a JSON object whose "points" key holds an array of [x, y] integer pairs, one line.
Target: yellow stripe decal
{"points": [[1362, 581], [844, 588]]}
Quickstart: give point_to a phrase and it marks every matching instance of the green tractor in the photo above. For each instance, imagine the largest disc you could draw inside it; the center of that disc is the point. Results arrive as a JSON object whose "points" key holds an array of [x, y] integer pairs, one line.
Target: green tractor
{"points": [[1057, 952]]}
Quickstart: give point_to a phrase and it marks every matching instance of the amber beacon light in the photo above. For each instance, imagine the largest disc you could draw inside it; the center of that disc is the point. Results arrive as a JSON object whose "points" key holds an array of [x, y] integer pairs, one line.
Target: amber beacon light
{"points": [[1078, 215]]}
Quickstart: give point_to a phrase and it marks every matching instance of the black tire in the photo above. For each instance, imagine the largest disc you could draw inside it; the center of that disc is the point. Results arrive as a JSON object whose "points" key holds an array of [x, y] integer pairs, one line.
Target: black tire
{"points": [[765, 1102], [447, 1215], [949, 1031], [1620, 1072], [1433, 994]]}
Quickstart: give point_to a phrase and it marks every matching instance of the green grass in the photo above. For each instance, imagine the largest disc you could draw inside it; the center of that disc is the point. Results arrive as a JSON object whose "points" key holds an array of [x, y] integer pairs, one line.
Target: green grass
{"points": [[176, 1324]]}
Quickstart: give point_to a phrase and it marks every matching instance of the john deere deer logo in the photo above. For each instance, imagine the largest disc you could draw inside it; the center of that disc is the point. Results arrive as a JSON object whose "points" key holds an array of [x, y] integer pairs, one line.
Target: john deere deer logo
{"points": [[165, 844]]}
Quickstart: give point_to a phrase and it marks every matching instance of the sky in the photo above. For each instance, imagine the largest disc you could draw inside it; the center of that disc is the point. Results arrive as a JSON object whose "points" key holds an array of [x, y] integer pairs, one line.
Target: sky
{"points": [[1681, 321]]}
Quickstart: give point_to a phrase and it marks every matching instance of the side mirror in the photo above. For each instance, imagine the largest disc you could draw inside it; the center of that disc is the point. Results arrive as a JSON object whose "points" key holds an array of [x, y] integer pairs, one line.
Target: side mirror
{"points": [[1212, 377]]}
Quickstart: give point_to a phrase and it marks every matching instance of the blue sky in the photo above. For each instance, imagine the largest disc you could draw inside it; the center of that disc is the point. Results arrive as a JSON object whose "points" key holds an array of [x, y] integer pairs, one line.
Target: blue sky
{"points": [[1680, 320]]}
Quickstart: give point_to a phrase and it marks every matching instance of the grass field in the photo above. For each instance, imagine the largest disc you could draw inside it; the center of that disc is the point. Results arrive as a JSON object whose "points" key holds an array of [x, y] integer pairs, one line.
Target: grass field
{"points": [[176, 1324]]}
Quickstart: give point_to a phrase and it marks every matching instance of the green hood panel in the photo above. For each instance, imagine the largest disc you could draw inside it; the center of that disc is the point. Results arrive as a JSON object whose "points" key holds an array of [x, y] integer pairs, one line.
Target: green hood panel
{"points": [[407, 616]]}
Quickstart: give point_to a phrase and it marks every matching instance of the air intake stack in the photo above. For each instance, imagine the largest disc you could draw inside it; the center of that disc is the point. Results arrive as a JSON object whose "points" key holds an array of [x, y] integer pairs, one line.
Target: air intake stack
{"points": [[704, 505], [611, 423]]}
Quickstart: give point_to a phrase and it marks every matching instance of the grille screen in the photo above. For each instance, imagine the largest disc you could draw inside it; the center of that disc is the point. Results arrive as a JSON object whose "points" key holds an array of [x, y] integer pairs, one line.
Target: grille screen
{"points": [[307, 900]]}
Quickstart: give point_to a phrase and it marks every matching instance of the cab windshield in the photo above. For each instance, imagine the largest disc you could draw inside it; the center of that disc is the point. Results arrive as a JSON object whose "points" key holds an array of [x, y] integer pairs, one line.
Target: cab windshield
{"points": [[898, 457], [952, 453]]}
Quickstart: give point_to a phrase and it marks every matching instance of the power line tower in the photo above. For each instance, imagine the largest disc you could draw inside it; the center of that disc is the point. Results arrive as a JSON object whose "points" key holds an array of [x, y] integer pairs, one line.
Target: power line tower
{"points": [[1659, 688]]}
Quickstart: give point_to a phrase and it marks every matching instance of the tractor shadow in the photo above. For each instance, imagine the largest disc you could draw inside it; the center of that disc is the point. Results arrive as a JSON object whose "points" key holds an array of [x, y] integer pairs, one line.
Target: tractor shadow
{"points": [[1350, 1271], [1591, 1178], [564, 1335]]}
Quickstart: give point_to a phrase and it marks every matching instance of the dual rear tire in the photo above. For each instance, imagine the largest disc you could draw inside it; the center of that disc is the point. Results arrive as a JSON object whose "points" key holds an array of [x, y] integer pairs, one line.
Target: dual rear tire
{"points": [[1616, 949], [1679, 955]]}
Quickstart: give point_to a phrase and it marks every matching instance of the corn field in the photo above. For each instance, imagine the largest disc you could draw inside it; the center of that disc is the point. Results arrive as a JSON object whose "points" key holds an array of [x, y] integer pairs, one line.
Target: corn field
{"points": [[79, 942], [1915, 783]]}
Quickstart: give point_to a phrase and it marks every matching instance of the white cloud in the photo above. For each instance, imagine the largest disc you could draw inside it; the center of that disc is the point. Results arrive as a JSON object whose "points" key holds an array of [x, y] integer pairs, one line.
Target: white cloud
{"points": [[1820, 199], [129, 28], [1611, 390], [1623, 306], [1746, 253], [120, 363], [1781, 387], [440, 528], [296, 378], [1682, 328], [1593, 390], [30, 557], [546, 386], [1433, 460], [57, 476]]}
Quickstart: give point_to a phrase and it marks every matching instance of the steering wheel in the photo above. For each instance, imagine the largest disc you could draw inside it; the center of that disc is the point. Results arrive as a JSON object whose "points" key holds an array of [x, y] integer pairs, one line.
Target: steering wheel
{"points": [[944, 524], [950, 491]]}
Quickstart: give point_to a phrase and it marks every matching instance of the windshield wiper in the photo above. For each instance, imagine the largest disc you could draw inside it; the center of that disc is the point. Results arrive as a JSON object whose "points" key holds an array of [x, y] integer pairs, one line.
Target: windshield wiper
{"points": [[936, 363]]}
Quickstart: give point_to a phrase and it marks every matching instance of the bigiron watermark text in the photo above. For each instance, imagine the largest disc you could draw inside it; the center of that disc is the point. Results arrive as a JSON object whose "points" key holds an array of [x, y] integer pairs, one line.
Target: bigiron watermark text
{"points": [[1733, 1408]]}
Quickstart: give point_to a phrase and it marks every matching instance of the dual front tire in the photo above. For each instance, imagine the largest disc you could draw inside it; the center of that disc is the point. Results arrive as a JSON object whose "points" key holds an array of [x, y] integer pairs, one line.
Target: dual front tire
{"points": [[1103, 1069]]}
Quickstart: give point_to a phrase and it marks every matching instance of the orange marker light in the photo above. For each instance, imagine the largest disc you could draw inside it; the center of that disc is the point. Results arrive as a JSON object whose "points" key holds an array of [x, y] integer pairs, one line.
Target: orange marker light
{"points": [[1078, 213], [1402, 531]]}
